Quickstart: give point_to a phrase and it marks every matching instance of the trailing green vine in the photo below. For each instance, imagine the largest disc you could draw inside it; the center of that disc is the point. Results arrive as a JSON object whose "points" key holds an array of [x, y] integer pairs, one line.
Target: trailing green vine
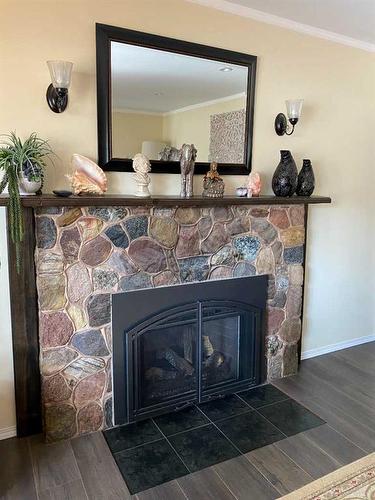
{"points": [[20, 162]]}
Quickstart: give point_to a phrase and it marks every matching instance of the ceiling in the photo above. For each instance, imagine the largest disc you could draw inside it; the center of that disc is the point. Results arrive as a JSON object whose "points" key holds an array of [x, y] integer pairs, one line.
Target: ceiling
{"points": [[349, 19], [151, 80]]}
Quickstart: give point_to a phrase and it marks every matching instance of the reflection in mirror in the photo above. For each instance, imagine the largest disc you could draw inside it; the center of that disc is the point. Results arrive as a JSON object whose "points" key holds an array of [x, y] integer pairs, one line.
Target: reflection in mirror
{"points": [[161, 100]]}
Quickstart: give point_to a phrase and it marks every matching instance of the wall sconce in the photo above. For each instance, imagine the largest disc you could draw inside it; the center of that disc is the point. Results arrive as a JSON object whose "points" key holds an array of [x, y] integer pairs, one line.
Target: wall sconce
{"points": [[293, 108], [57, 92]]}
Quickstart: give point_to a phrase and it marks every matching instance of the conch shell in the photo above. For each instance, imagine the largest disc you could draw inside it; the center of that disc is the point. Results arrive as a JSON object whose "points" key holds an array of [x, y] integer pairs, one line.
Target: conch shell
{"points": [[88, 177]]}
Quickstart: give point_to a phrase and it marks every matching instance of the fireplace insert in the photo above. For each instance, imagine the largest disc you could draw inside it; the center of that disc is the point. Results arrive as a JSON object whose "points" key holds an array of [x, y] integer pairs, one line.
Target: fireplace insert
{"points": [[183, 344]]}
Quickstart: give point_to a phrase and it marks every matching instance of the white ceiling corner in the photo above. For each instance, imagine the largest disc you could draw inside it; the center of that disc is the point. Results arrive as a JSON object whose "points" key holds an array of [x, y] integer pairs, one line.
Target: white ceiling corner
{"points": [[348, 22]]}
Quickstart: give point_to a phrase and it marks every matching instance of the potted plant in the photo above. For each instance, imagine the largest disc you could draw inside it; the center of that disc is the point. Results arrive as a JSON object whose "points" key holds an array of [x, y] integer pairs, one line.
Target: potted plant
{"points": [[23, 164]]}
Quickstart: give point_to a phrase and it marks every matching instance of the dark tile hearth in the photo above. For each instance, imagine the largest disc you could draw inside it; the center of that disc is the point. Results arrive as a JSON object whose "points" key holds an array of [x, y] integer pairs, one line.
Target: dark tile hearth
{"points": [[183, 420], [290, 417], [158, 450], [250, 431], [202, 447], [149, 465], [223, 408], [129, 436], [262, 396]]}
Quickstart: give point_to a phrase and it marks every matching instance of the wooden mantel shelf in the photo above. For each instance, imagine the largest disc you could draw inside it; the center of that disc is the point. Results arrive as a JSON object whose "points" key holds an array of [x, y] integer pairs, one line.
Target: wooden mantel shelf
{"points": [[50, 200]]}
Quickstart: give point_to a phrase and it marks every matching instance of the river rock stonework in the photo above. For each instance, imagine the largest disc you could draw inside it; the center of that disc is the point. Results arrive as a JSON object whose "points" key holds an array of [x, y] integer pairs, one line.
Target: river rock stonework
{"points": [[84, 256]]}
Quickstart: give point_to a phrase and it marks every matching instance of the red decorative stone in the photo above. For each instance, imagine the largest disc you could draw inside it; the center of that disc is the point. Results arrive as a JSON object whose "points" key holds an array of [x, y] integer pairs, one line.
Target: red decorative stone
{"points": [[290, 330], [294, 301], [95, 251], [148, 255], [55, 389], [275, 318], [165, 278], [222, 213], [89, 389], [259, 212], [239, 225], [187, 215], [297, 215], [70, 243], [90, 418], [216, 239], [279, 218], [188, 242], [55, 329], [204, 226], [221, 272]]}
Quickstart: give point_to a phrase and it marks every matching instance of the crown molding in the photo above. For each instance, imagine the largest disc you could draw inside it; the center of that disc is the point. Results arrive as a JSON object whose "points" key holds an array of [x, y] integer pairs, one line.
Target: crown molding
{"points": [[137, 112], [204, 104], [282, 22]]}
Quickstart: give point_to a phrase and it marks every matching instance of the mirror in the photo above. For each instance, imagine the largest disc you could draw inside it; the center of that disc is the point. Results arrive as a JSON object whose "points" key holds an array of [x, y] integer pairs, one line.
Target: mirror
{"points": [[155, 94]]}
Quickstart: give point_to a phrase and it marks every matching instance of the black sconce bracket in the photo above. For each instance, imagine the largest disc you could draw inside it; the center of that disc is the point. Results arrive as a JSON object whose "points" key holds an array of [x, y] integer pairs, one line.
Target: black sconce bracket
{"points": [[281, 124], [57, 98]]}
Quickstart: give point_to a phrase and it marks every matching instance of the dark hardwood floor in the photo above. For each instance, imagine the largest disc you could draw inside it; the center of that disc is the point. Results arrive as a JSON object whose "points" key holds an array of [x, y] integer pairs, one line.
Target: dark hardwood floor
{"points": [[338, 387]]}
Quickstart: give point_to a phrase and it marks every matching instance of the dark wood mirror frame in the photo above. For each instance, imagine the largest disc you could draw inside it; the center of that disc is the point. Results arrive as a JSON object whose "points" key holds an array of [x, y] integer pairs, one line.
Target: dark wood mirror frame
{"points": [[104, 36]]}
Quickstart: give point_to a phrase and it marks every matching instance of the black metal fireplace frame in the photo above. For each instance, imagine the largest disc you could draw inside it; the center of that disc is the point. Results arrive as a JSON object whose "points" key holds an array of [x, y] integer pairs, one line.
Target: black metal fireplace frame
{"points": [[247, 294]]}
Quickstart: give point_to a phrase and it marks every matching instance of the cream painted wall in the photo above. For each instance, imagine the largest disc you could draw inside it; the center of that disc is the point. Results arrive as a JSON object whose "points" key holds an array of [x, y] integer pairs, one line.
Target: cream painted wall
{"points": [[190, 126], [130, 129], [336, 130], [193, 125]]}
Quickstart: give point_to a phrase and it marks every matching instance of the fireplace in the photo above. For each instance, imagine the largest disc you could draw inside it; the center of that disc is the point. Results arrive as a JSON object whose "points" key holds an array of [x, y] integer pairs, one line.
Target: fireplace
{"points": [[179, 345]]}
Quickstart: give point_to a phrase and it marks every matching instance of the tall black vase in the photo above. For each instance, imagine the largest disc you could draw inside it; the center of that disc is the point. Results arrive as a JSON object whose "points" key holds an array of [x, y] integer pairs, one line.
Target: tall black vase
{"points": [[284, 180], [306, 179]]}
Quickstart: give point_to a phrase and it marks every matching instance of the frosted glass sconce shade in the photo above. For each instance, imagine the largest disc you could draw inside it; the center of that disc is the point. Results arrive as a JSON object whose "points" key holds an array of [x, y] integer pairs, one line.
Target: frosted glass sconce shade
{"points": [[57, 92], [60, 72], [293, 108]]}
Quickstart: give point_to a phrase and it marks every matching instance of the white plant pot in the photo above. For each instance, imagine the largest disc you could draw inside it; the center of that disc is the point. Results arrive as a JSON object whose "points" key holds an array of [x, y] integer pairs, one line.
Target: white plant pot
{"points": [[28, 188]]}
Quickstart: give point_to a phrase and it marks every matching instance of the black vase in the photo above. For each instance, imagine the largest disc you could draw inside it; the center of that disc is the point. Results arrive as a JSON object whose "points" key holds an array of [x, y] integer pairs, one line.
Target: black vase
{"points": [[306, 179], [284, 180]]}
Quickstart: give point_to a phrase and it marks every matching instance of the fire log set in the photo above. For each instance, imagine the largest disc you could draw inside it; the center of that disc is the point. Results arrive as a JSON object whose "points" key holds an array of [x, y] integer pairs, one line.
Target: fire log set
{"points": [[174, 367]]}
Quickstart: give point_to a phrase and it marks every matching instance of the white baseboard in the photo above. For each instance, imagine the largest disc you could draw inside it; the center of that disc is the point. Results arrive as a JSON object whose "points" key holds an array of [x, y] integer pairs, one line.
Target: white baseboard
{"points": [[8, 432], [312, 353]]}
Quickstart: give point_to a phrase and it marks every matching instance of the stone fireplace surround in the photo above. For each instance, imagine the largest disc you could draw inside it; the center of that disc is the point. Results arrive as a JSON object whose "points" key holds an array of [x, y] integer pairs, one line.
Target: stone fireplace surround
{"points": [[85, 254]]}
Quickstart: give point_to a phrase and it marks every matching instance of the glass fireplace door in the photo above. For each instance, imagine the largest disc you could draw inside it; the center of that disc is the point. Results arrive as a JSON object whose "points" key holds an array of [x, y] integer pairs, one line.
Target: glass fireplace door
{"points": [[191, 354], [227, 350], [165, 361]]}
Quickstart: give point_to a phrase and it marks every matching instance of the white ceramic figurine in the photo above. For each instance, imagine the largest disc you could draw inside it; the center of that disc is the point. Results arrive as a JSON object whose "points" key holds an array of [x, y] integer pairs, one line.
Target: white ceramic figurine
{"points": [[141, 167]]}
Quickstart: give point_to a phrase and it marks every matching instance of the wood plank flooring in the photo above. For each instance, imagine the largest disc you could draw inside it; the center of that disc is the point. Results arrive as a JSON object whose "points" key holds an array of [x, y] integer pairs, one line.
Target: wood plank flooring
{"points": [[338, 387]]}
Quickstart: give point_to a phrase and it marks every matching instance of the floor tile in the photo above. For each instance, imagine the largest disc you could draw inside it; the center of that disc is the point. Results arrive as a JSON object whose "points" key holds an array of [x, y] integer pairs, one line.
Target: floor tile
{"points": [[128, 436], [249, 431], [261, 396], [181, 421], [149, 465], [223, 408], [291, 417], [203, 447]]}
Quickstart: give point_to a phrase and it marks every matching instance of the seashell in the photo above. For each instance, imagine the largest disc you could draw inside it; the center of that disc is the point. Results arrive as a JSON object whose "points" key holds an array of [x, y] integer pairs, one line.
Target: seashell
{"points": [[88, 177]]}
